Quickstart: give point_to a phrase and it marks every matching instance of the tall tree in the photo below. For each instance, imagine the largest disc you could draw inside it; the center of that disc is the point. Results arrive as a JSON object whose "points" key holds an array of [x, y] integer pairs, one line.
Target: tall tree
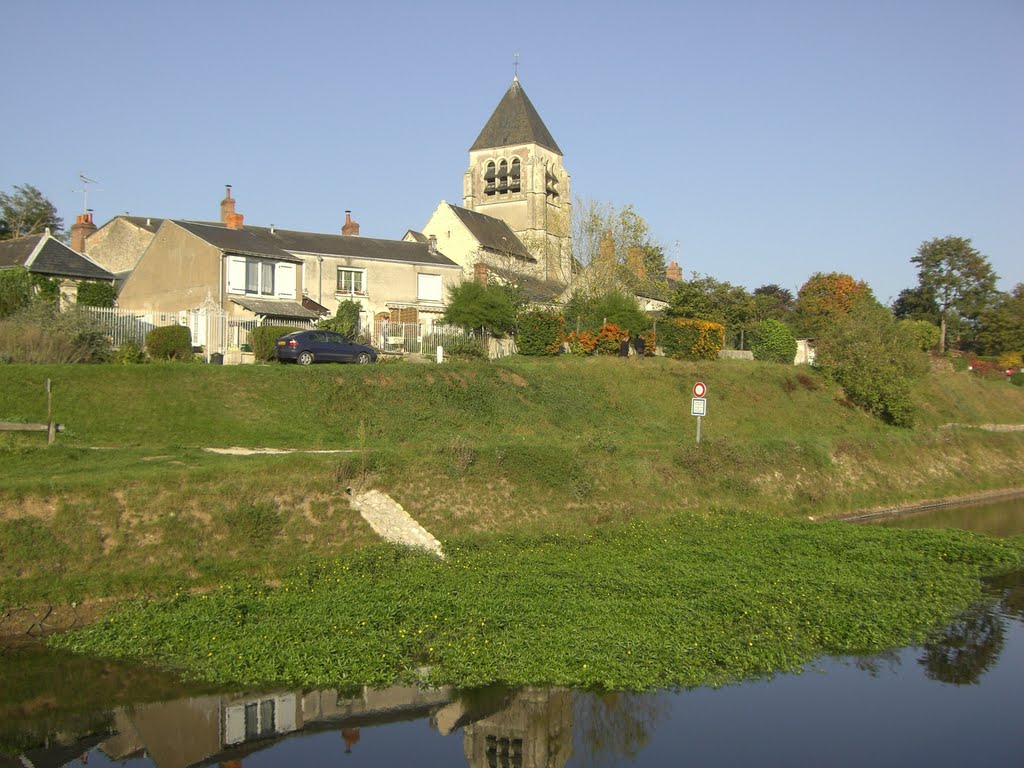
{"points": [[826, 297], [717, 301], [772, 302], [1001, 326], [916, 304], [26, 212], [961, 279]]}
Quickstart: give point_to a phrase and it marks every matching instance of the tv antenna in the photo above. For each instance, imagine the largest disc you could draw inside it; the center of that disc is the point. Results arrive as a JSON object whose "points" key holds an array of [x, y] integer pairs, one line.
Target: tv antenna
{"points": [[86, 181]]}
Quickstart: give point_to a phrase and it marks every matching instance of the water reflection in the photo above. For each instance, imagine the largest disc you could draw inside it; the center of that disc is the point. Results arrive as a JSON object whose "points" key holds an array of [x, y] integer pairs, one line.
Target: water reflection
{"points": [[500, 728]]}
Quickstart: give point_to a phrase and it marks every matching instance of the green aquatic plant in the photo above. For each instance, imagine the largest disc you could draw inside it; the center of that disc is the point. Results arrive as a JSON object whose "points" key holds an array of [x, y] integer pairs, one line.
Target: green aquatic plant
{"points": [[696, 600]]}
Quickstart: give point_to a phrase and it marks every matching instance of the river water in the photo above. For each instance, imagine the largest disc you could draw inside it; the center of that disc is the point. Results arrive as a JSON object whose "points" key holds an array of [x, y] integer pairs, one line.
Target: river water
{"points": [[953, 702]]}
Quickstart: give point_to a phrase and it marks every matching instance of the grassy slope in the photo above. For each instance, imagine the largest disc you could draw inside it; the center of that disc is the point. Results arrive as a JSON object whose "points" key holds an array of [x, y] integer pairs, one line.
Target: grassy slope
{"points": [[529, 444]]}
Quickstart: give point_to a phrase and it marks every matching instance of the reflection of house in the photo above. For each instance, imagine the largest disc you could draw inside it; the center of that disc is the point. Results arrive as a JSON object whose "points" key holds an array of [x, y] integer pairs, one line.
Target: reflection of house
{"points": [[47, 256], [533, 731], [208, 729]]}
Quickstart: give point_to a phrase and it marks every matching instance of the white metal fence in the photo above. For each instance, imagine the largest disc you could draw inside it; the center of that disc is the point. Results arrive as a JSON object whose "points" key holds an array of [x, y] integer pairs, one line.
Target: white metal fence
{"points": [[211, 328]]}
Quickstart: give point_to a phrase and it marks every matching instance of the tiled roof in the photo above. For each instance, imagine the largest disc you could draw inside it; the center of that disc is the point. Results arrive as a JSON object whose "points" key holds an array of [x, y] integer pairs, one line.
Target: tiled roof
{"points": [[144, 222], [51, 257], [245, 242], [493, 234], [514, 121]]}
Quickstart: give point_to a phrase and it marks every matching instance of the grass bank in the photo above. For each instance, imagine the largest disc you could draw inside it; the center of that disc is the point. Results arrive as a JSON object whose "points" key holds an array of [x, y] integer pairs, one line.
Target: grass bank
{"points": [[692, 600], [128, 503]]}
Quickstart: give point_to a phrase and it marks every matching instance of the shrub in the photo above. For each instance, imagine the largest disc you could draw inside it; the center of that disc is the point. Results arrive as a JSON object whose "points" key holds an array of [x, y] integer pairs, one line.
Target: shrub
{"points": [[540, 332], [1011, 360], [15, 290], [774, 342], [1017, 378], [474, 305], [262, 339], [40, 333], [129, 353], [592, 310], [691, 339], [987, 369], [924, 333], [871, 357], [171, 342], [345, 320], [581, 343], [650, 342], [462, 347], [96, 294], [609, 338]]}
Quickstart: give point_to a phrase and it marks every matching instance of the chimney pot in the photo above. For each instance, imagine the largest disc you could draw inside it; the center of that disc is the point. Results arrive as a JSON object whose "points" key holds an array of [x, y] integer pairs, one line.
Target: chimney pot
{"points": [[351, 227]]}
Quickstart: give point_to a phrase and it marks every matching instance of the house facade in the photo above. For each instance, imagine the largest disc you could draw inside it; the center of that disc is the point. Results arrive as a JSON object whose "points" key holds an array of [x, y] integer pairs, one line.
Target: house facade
{"points": [[47, 256]]}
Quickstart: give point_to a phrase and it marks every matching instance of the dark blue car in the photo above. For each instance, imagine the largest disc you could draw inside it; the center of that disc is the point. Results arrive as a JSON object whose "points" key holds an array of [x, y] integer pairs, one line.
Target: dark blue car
{"points": [[319, 346]]}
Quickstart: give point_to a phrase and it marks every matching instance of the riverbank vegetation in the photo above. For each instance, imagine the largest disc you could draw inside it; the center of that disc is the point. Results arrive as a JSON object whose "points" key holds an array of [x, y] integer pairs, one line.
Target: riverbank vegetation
{"points": [[129, 503], [693, 600]]}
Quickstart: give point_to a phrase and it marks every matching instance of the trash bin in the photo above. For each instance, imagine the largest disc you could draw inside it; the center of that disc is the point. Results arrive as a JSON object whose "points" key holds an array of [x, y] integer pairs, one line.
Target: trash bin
{"points": [[216, 359]]}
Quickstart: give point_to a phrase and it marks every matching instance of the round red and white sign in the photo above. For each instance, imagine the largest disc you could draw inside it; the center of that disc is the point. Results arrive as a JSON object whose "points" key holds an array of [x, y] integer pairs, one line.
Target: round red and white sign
{"points": [[699, 389]]}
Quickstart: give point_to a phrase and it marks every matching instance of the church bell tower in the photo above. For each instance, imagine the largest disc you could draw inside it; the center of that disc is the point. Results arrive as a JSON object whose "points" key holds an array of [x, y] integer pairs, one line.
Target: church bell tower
{"points": [[516, 174]]}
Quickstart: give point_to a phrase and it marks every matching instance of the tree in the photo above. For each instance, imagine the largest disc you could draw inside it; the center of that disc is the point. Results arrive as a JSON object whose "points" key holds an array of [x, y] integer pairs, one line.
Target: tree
{"points": [[916, 304], [587, 311], [873, 359], [824, 298], [960, 278], [480, 306], [774, 342], [1001, 325], [345, 320], [26, 212], [716, 301], [609, 243], [772, 302]]}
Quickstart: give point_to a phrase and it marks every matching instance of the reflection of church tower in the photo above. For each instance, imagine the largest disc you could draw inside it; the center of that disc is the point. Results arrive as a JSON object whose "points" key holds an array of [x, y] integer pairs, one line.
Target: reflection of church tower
{"points": [[515, 174], [534, 731]]}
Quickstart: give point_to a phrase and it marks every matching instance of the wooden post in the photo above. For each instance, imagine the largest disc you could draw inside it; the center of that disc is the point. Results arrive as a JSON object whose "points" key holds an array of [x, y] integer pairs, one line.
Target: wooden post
{"points": [[51, 429]]}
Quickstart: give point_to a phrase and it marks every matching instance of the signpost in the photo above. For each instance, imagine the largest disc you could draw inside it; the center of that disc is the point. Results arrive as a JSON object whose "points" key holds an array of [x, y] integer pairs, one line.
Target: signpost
{"points": [[699, 405]]}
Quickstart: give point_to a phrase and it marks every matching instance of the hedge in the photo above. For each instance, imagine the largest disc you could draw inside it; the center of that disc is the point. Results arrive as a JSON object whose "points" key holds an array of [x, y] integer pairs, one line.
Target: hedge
{"points": [[262, 339], [774, 342], [540, 332], [171, 342], [685, 339]]}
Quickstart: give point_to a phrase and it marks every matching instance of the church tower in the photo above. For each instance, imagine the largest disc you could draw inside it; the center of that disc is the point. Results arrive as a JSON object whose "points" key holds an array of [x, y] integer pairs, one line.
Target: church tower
{"points": [[516, 174]]}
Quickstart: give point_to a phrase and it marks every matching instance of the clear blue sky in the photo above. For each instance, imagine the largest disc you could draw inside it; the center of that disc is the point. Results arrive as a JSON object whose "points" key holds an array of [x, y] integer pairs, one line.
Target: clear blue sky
{"points": [[770, 139]]}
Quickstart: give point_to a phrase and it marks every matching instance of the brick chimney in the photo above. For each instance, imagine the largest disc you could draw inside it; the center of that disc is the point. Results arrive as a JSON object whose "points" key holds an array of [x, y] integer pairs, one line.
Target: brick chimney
{"points": [[235, 221], [80, 230], [227, 205], [432, 244], [674, 272], [635, 259], [351, 227], [480, 272]]}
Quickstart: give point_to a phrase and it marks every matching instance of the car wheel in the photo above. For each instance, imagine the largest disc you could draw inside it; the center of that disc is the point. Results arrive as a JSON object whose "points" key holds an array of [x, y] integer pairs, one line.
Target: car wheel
{"points": [[304, 358], [363, 358]]}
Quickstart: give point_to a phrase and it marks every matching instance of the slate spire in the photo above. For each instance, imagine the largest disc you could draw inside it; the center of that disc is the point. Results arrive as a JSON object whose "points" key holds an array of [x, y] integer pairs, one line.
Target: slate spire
{"points": [[514, 121]]}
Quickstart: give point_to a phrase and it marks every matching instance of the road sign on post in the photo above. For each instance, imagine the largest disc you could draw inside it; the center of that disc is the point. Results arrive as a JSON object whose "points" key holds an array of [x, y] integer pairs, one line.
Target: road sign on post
{"points": [[699, 405]]}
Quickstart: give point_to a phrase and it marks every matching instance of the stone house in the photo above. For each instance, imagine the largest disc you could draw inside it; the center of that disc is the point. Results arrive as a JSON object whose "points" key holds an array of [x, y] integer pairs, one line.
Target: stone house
{"points": [[47, 256]]}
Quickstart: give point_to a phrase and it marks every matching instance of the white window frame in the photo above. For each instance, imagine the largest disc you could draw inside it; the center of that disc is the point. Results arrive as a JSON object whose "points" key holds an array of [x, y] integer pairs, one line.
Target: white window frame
{"points": [[435, 285], [272, 278], [352, 272]]}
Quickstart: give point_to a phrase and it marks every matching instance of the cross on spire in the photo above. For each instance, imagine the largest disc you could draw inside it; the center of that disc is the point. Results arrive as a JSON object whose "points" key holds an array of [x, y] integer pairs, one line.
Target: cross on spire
{"points": [[515, 61]]}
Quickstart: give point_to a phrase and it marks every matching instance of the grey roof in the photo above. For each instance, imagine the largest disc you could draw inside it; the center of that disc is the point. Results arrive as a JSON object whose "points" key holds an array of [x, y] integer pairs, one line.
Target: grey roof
{"points": [[514, 121], [246, 242], [533, 289], [493, 234], [144, 222], [271, 308], [353, 246], [53, 258], [419, 237]]}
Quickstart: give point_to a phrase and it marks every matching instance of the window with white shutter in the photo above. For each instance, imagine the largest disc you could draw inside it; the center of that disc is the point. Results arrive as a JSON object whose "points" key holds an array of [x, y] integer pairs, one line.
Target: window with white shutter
{"points": [[428, 287]]}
